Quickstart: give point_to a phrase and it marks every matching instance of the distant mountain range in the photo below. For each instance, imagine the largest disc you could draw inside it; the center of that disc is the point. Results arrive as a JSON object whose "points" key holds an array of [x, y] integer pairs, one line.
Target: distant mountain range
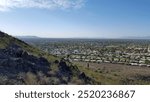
{"points": [[135, 37], [27, 37], [125, 37]]}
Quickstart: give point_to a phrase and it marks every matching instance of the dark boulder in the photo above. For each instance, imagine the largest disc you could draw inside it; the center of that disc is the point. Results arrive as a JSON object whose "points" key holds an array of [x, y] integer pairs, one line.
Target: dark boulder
{"points": [[85, 78], [64, 69], [82, 76]]}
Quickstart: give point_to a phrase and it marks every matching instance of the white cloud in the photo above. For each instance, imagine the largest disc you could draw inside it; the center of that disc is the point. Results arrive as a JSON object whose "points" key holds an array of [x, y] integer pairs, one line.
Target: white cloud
{"points": [[46, 4]]}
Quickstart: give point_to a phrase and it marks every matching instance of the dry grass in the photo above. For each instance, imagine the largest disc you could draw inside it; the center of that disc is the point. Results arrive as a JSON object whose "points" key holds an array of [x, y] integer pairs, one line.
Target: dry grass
{"points": [[107, 73]]}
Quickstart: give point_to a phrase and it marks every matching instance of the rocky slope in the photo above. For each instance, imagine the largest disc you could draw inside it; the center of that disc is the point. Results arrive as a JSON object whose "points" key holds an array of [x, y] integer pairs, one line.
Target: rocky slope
{"points": [[21, 63]]}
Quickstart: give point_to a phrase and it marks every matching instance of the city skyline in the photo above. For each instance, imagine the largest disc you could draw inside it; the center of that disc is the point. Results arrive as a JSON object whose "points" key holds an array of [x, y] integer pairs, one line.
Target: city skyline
{"points": [[75, 18]]}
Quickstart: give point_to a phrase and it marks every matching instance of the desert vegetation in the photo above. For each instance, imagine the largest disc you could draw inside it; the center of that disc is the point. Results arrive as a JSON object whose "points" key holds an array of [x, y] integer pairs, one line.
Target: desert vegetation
{"points": [[117, 74]]}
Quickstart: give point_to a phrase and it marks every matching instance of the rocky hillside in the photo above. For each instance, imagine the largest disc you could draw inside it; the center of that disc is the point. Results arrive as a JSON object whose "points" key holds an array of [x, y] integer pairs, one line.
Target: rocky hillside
{"points": [[21, 63]]}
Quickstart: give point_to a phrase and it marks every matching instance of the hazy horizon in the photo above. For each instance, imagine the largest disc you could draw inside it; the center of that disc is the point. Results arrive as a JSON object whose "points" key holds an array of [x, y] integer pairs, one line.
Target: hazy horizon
{"points": [[75, 18], [125, 37]]}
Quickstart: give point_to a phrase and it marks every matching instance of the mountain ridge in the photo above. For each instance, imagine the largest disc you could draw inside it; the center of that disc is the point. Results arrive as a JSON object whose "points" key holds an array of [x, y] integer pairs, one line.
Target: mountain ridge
{"points": [[27, 37], [21, 63]]}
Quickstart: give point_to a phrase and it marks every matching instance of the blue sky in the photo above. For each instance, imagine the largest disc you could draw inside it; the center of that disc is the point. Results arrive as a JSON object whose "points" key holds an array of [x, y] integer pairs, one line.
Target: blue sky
{"points": [[75, 18]]}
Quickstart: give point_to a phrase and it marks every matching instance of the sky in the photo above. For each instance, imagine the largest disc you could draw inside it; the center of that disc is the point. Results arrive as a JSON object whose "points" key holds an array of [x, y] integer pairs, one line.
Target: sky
{"points": [[75, 18]]}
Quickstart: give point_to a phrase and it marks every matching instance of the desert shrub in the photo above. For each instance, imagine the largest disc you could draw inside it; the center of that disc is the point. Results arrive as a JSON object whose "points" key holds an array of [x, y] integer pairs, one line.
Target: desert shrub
{"points": [[115, 74], [30, 79], [53, 81]]}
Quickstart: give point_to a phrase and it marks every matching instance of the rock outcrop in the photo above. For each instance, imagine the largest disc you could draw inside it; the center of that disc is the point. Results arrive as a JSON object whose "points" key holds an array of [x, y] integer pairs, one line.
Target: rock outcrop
{"points": [[20, 63], [14, 60]]}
